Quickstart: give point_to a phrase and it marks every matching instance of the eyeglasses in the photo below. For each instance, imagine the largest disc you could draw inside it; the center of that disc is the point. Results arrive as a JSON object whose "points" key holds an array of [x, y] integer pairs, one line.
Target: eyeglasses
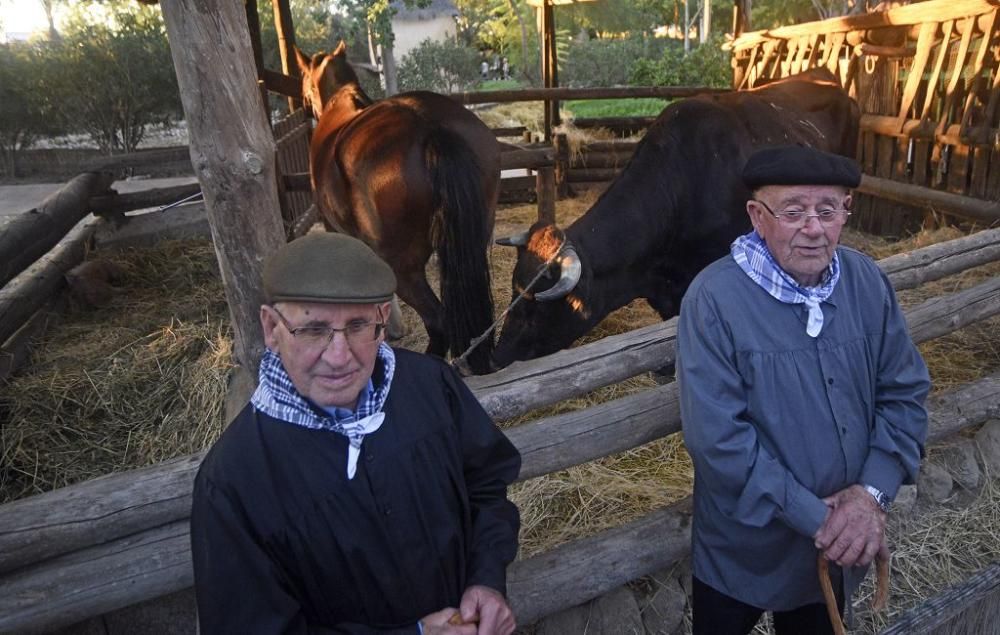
{"points": [[357, 334], [793, 217]]}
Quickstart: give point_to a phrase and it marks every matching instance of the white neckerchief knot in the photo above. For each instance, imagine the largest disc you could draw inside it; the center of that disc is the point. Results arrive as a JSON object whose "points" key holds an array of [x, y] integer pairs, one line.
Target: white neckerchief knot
{"points": [[814, 324], [355, 432]]}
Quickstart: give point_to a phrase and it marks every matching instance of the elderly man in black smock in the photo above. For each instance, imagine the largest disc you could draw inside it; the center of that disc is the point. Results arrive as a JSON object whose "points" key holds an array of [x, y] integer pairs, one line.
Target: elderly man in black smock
{"points": [[802, 399], [363, 489]]}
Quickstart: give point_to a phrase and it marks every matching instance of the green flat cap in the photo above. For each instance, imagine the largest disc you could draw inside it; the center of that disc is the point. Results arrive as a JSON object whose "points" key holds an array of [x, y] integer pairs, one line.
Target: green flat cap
{"points": [[328, 268], [799, 165]]}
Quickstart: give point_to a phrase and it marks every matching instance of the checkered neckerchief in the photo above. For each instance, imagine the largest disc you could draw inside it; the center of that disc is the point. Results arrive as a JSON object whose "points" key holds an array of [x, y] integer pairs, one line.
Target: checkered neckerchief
{"points": [[752, 255], [277, 397]]}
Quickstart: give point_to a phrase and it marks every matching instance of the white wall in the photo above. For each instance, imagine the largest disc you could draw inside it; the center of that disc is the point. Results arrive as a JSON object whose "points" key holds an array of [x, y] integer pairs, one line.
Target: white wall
{"points": [[410, 33]]}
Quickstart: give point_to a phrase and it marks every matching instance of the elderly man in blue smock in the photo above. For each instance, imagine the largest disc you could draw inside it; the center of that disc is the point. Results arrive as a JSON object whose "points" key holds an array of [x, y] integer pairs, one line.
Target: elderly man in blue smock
{"points": [[802, 397]]}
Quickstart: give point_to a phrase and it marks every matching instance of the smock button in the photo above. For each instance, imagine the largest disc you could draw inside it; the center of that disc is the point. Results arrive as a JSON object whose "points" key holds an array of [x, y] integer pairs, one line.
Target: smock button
{"points": [[829, 380]]}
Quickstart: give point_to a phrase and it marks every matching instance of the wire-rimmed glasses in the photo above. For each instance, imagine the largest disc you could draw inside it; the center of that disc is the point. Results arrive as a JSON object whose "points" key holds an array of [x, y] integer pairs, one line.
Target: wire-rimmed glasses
{"points": [[796, 217], [358, 334]]}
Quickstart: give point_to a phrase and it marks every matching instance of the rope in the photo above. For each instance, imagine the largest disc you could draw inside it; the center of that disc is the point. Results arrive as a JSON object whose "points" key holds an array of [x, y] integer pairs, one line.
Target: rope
{"points": [[479, 340], [163, 208]]}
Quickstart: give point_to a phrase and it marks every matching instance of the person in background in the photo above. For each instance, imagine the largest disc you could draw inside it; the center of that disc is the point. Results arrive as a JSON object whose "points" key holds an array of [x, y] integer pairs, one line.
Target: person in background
{"points": [[363, 489], [802, 398]]}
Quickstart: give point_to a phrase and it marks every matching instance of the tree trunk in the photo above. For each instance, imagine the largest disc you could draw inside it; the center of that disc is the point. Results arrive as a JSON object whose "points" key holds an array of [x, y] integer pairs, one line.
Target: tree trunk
{"points": [[389, 68], [525, 67], [233, 153]]}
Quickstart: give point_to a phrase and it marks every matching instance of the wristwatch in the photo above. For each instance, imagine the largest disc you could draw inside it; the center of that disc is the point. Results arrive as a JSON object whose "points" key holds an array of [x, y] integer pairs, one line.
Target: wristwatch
{"points": [[880, 498]]}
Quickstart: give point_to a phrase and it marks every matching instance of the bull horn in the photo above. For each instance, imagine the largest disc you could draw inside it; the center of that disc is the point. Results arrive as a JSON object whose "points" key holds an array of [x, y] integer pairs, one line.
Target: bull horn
{"points": [[517, 240], [571, 269]]}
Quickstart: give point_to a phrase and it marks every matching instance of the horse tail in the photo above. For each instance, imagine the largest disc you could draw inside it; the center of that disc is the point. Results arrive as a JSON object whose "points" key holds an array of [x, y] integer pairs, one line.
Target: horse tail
{"points": [[461, 239]]}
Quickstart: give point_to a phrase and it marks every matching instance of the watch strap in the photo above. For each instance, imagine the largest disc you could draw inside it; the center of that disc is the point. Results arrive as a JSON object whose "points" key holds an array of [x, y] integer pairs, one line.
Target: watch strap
{"points": [[880, 497]]}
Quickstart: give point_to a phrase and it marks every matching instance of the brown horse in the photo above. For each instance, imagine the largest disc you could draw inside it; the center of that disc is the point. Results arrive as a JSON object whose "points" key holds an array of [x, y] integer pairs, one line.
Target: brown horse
{"points": [[409, 175]]}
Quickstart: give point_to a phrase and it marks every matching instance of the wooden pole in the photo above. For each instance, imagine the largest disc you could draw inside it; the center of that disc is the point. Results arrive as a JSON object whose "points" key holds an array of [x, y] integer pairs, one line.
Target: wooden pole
{"points": [[545, 15], [26, 237], [286, 43], [233, 154], [545, 186]]}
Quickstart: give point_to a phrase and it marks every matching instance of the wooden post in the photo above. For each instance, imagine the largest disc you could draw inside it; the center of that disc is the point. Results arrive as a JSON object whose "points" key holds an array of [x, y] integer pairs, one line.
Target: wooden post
{"points": [[562, 165], [232, 151], [545, 186], [286, 42]]}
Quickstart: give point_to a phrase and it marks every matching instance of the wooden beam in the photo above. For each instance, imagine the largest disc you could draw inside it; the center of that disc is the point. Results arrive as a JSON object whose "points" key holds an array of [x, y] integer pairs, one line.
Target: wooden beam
{"points": [[955, 204], [914, 268], [26, 237], [282, 84], [909, 15], [584, 569], [286, 45], [233, 151], [943, 314], [30, 290]]}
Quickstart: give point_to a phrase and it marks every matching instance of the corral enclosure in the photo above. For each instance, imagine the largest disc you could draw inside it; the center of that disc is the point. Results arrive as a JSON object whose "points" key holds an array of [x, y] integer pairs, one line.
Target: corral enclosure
{"points": [[623, 503]]}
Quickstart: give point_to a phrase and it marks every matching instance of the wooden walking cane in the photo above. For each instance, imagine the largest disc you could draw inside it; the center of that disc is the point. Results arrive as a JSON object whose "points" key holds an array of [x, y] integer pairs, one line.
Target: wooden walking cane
{"points": [[881, 588]]}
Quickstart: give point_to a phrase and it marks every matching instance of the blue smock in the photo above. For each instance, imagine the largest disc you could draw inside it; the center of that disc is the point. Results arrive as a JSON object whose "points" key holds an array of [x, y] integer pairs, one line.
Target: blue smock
{"points": [[776, 420]]}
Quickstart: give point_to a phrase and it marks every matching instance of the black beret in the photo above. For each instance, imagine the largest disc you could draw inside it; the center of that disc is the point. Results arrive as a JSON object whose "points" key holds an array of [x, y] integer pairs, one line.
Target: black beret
{"points": [[329, 268], [799, 165]]}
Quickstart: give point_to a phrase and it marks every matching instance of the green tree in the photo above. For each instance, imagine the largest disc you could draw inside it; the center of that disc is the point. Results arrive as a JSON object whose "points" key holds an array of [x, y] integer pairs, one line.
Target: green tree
{"points": [[706, 65], [443, 67], [23, 114], [113, 76]]}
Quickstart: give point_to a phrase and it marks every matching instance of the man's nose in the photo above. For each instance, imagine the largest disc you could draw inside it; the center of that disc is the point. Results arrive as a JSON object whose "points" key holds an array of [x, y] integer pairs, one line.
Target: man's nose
{"points": [[337, 351], [813, 226]]}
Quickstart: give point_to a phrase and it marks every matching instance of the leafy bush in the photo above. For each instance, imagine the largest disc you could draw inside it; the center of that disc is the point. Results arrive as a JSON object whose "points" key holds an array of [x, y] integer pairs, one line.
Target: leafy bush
{"points": [[705, 65], [443, 67], [23, 112], [606, 62], [112, 78]]}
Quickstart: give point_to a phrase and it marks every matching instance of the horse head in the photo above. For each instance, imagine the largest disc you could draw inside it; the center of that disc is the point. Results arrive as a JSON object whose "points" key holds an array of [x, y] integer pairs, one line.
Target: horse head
{"points": [[325, 75]]}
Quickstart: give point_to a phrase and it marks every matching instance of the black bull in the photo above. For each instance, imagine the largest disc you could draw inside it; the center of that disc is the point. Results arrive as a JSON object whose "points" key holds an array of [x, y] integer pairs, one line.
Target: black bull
{"points": [[675, 208]]}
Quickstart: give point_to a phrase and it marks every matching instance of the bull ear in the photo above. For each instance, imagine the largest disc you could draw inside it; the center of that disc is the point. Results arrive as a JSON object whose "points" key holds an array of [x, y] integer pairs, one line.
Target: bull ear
{"points": [[517, 240]]}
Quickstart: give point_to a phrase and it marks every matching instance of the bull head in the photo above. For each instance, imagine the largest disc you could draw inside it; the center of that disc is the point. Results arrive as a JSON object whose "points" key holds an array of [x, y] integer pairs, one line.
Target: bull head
{"points": [[553, 317], [542, 243]]}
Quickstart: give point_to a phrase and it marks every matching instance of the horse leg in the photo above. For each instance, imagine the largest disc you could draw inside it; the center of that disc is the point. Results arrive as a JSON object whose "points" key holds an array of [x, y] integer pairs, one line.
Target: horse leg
{"points": [[395, 329], [413, 289]]}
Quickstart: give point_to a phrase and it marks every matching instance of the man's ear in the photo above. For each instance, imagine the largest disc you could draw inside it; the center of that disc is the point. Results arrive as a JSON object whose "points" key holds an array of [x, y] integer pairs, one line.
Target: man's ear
{"points": [[268, 323], [753, 211], [847, 202]]}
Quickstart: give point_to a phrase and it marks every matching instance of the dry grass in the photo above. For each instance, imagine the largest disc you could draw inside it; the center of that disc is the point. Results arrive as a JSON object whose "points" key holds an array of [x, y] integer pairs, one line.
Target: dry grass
{"points": [[143, 380], [132, 384]]}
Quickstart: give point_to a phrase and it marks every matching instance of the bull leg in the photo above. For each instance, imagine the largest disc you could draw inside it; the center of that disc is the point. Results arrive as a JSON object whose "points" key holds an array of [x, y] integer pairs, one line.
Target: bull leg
{"points": [[414, 290]]}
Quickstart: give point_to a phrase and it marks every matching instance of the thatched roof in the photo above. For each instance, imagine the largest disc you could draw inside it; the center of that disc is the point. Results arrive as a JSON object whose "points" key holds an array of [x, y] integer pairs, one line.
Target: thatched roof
{"points": [[436, 9]]}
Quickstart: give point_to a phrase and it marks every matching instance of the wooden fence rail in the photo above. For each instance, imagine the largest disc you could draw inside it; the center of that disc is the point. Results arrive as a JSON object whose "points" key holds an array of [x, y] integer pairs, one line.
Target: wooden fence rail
{"points": [[107, 543]]}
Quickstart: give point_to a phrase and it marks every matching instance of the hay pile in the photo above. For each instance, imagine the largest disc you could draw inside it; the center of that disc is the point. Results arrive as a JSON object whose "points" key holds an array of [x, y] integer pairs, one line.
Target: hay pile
{"points": [[143, 380], [137, 382]]}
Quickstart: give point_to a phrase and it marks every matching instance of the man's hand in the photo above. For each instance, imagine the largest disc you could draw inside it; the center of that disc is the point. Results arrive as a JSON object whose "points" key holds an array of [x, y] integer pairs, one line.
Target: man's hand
{"points": [[854, 529], [443, 623], [489, 608]]}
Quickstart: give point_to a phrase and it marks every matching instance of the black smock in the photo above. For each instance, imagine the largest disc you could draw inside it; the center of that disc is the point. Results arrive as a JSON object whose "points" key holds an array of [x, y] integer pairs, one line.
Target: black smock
{"points": [[283, 542]]}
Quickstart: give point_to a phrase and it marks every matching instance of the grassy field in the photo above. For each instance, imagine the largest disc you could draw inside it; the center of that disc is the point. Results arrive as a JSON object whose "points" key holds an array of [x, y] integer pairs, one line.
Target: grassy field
{"points": [[642, 107]]}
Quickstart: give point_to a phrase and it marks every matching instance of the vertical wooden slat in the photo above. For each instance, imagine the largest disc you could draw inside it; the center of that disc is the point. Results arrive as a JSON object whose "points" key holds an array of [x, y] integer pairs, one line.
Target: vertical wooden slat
{"points": [[955, 73], [286, 44], [924, 41], [977, 69], [932, 84]]}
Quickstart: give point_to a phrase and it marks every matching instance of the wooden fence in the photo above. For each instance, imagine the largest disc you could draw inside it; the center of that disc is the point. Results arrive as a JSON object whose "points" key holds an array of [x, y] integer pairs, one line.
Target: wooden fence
{"points": [[94, 547]]}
